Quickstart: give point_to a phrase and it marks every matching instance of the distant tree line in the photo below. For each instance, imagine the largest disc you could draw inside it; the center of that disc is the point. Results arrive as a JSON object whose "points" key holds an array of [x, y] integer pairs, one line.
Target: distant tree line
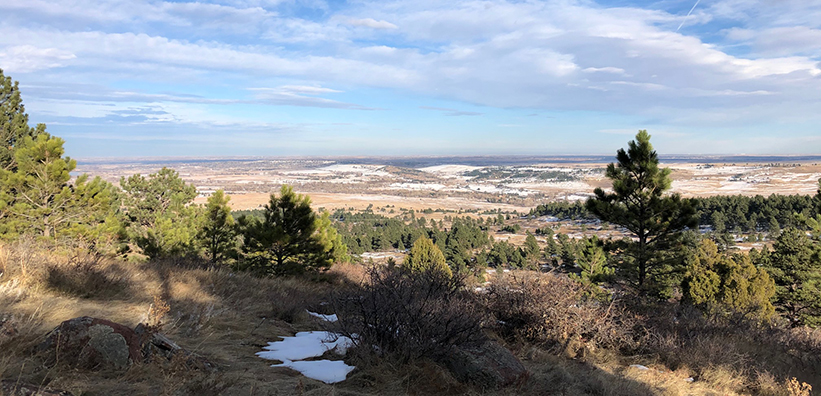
{"points": [[722, 213], [369, 232]]}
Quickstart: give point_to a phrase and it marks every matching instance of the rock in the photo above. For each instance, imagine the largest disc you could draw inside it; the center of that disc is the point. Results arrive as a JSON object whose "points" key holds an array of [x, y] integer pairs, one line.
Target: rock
{"points": [[93, 343], [488, 366], [14, 388]]}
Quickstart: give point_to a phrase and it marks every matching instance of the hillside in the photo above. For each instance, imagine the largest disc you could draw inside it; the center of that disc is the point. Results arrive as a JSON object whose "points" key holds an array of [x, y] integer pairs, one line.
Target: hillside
{"points": [[227, 317]]}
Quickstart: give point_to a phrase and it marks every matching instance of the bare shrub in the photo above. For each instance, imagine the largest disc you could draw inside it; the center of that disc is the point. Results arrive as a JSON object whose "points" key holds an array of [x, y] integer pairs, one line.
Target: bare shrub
{"points": [[556, 313], [407, 316]]}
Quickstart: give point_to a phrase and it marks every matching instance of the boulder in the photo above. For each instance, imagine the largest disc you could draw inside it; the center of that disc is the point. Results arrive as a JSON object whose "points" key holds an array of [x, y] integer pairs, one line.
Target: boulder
{"points": [[15, 388], [93, 343], [487, 366]]}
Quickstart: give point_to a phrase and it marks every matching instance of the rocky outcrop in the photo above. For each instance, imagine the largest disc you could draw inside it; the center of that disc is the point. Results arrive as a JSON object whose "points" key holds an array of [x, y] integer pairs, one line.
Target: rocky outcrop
{"points": [[92, 343], [15, 388], [99, 344], [487, 366]]}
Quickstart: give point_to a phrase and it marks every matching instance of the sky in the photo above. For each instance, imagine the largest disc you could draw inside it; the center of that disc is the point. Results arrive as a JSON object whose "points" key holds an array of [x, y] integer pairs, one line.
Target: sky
{"points": [[141, 78]]}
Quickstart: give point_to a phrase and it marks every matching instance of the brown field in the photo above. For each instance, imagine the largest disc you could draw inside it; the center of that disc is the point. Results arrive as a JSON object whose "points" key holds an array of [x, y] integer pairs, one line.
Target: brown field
{"points": [[334, 185]]}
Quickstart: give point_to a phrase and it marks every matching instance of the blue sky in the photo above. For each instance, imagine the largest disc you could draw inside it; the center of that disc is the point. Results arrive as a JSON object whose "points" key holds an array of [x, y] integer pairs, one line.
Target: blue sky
{"points": [[287, 77]]}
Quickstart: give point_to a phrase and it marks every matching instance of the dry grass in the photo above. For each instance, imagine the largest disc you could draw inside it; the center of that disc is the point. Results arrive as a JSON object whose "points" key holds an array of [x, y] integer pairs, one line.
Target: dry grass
{"points": [[228, 317]]}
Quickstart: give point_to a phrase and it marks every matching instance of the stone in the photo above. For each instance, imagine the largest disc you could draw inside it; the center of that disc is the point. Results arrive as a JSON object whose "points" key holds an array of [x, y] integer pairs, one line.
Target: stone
{"points": [[96, 344], [487, 366], [92, 343]]}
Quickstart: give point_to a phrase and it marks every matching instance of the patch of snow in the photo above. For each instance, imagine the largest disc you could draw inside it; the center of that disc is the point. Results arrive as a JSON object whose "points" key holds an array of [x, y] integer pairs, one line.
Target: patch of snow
{"points": [[292, 351], [327, 318], [327, 371], [450, 169], [417, 186], [640, 367]]}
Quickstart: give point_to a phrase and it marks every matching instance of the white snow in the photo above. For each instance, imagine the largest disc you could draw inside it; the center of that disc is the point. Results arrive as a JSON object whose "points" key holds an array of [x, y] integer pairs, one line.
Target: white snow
{"points": [[327, 318], [327, 371], [292, 351], [450, 169]]}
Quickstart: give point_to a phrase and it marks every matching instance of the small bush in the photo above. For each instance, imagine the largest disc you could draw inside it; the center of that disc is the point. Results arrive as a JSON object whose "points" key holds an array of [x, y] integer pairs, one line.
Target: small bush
{"points": [[410, 315], [556, 313]]}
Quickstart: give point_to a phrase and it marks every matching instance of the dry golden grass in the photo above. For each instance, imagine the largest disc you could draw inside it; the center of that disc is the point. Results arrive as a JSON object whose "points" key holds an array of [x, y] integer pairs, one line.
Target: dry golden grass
{"points": [[228, 317]]}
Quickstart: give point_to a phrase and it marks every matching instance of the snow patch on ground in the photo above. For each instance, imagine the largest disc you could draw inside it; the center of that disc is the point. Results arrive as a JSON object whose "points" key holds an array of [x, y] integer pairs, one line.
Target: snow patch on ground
{"points": [[450, 169], [327, 371], [292, 352], [327, 318], [416, 186]]}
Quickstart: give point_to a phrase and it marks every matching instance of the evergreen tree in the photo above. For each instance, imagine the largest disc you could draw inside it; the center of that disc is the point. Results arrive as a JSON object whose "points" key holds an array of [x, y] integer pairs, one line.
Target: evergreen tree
{"points": [[38, 198], [217, 233], [285, 240], [593, 261], [14, 122], [331, 240], [162, 219], [723, 284], [531, 248], [638, 204], [795, 265], [424, 256]]}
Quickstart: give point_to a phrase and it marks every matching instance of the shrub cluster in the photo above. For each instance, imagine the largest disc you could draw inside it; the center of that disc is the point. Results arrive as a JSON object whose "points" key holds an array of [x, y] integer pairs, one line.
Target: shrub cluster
{"points": [[409, 315]]}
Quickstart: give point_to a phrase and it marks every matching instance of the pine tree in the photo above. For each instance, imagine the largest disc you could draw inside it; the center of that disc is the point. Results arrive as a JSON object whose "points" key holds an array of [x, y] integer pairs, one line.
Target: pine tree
{"points": [[38, 197], [162, 218], [424, 256], [331, 240], [531, 248], [285, 241], [638, 204], [14, 122], [593, 261], [795, 265], [217, 233]]}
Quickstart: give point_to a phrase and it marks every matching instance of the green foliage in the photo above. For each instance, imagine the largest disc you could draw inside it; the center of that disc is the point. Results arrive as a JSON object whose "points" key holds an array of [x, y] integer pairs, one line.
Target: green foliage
{"points": [[366, 232], [286, 241], [738, 213], [592, 261], [504, 254], [14, 122], [531, 248], [723, 284], [424, 256], [36, 197], [162, 219], [638, 204], [795, 265], [513, 229], [574, 210], [217, 233], [331, 239]]}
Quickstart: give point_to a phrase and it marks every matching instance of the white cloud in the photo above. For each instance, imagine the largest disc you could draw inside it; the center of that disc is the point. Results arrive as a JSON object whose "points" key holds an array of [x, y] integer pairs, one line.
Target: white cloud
{"points": [[303, 96], [613, 70], [372, 23], [557, 55], [28, 58]]}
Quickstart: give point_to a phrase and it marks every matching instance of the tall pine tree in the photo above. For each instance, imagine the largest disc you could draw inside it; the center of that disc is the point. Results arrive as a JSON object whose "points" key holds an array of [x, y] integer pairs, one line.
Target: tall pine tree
{"points": [[638, 204]]}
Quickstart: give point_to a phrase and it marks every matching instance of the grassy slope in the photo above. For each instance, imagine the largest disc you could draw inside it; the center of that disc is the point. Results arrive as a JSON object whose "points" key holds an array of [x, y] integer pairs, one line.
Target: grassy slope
{"points": [[228, 317]]}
